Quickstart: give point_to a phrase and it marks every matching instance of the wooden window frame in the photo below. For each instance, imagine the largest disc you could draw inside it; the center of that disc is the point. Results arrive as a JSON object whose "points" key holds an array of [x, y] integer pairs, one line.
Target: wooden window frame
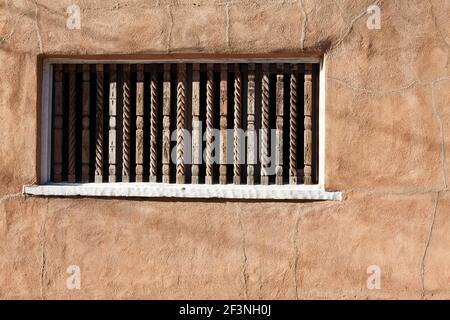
{"points": [[277, 192]]}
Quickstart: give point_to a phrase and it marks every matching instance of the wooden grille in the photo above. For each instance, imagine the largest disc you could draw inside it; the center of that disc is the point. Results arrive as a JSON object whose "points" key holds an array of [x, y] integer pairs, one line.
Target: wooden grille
{"points": [[198, 123]]}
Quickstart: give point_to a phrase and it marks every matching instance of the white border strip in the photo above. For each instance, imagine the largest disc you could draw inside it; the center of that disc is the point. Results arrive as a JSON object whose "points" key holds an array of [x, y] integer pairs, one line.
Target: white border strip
{"points": [[162, 190]]}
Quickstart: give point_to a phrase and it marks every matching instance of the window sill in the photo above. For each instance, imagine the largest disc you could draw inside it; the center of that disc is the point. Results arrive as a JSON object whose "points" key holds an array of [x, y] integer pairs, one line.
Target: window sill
{"points": [[161, 190]]}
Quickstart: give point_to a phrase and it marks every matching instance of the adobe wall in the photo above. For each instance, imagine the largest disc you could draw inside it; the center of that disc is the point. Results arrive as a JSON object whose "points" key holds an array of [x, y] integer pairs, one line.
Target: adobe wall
{"points": [[387, 150]]}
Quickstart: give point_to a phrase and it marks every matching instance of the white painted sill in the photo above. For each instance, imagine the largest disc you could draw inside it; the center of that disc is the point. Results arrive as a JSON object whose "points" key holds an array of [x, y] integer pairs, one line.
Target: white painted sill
{"points": [[200, 191]]}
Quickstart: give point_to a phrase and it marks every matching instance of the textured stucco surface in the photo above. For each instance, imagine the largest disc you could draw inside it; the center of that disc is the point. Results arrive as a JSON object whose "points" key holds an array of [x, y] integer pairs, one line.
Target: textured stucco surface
{"points": [[387, 145]]}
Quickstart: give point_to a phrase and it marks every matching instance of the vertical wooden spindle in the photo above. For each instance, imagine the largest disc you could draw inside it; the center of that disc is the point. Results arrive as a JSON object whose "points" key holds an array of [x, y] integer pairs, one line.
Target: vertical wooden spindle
{"points": [[237, 125], [279, 124], [181, 115], [72, 122], [308, 125], [99, 124], [153, 123], [112, 123], [85, 124], [293, 124], [139, 123], [196, 142], [209, 121], [223, 123], [58, 124], [251, 132], [166, 125], [265, 125], [126, 123]]}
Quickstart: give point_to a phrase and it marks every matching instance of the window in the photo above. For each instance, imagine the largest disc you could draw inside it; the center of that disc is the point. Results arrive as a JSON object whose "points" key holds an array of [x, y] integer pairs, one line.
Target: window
{"points": [[233, 129]]}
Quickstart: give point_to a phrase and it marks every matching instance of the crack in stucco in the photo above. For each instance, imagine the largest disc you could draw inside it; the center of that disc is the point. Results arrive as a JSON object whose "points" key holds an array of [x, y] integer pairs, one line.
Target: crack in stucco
{"points": [[438, 117], [260, 284], [371, 91], [350, 27], [36, 25], [10, 196], [42, 247], [159, 4], [414, 192], [427, 244], [244, 257], [381, 92], [114, 7], [247, 2], [6, 37], [304, 25], [295, 242]]}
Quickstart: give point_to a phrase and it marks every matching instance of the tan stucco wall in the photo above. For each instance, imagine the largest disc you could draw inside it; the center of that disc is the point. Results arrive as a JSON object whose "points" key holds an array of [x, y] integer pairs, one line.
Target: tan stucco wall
{"points": [[387, 145]]}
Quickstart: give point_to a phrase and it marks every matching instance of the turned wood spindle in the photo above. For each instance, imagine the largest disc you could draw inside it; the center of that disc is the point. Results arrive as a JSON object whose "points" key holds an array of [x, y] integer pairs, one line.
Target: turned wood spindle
{"points": [[279, 124], [126, 124], [85, 124], [223, 124], [139, 123], [153, 124], [166, 125], [209, 122], [237, 125], [181, 119], [58, 124], [99, 123], [308, 125], [196, 124], [251, 132], [265, 125], [112, 123], [293, 124], [72, 122]]}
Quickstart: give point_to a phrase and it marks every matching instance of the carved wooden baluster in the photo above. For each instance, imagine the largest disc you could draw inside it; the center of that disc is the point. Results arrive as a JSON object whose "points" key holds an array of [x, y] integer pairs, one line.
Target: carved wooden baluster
{"points": [[251, 132], [139, 123], [166, 126], [99, 124], [293, 124], [265, 125], [72, 122], [279, 124], [112, 123], [58, 124], [196, 142], [223, 123], [153, 123], [85, 125], [237, 125], [126, 125], [209, 121], [308, 125], [181, 115]]}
